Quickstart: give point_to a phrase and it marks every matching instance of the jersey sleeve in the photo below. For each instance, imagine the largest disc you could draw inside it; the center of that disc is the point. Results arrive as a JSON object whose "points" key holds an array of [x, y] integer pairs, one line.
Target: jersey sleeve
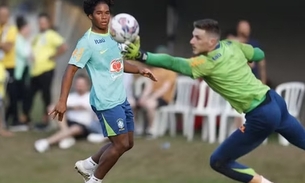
{"points": [[247, 49], [55, 39], [194, 67], [81, 54]]}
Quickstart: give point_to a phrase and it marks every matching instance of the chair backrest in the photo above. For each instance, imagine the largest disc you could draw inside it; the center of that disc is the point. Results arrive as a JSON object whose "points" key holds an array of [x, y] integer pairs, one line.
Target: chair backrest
{"points": [[293, 93], [184, 91], [139, 85], [209, 99]]}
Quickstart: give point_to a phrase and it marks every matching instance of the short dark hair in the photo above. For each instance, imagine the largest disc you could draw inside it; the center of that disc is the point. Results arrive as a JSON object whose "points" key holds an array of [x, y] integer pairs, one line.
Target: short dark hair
{"points": [[208, 25], [20, 22], [44, 15], [89, 5]]}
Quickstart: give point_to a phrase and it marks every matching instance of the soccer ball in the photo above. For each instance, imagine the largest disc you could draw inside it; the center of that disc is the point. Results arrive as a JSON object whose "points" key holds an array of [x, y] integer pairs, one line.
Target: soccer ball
{"points": [[124, 27]]}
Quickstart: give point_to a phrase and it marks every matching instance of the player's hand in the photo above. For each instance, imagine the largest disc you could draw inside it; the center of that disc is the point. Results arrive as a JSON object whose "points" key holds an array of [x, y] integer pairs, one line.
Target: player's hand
{"points": [[147, 73], [133, 49], [59, 111]]}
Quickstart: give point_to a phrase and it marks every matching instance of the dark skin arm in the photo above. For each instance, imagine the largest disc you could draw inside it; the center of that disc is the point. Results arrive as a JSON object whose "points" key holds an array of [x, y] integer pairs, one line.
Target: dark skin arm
{"points": [[60, 50], [61, 106], [133, 69]]}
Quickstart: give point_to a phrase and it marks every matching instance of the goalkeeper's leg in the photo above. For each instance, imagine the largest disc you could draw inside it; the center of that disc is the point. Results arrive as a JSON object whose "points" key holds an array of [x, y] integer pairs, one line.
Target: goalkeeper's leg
{"points": [[261, 122]]}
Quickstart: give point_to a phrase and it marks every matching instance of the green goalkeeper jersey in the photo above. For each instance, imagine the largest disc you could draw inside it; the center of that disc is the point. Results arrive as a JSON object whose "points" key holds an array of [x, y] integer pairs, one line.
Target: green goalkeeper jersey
{"points": [[225, 70]]}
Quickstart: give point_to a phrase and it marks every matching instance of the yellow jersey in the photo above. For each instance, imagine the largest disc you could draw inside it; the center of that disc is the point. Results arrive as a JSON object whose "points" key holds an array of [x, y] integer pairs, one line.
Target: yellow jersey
{"points": [[8, 34], [45, 46]]}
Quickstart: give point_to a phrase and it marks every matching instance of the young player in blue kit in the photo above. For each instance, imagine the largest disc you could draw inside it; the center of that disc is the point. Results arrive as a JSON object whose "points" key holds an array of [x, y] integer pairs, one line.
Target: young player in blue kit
{"points": [[101, 56], [224, 67]]}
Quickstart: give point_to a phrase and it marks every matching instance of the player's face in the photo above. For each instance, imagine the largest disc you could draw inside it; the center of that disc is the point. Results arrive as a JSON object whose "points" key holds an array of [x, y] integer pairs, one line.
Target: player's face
{"points": [[101, 16], [202, 41], [4, 15], [81, 86], [44, 23]]}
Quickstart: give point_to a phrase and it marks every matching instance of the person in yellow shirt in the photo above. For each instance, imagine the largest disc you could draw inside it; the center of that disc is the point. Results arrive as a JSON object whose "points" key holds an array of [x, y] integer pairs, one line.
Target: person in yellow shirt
{"points": [[3, 131], [8, 35], [47, 46]]}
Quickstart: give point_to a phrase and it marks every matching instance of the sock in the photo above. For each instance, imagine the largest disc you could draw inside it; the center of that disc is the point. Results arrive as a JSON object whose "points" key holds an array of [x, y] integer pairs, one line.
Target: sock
{"points": [[94, 180], [265, 180], [89, 164]]}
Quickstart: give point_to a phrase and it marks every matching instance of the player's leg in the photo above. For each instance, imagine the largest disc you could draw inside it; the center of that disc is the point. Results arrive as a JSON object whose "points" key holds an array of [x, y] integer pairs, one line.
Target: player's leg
{"points": [[290, 127], [260, 123], [115, 127]]}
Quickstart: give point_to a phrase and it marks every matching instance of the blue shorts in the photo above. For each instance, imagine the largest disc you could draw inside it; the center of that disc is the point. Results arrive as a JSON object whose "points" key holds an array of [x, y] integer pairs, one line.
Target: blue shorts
{"points": [[116, 121]]}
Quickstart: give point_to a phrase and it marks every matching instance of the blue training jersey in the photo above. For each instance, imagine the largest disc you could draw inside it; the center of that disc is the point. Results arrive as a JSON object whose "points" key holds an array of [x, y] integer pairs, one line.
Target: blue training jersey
{"points": [[102, 58]]}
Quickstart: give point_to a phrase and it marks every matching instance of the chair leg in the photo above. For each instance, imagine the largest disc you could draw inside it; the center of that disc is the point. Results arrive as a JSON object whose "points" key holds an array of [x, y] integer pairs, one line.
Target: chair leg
{"points": [[212, 129], [173, 124], [283, 141], [186, 118], [223, 128], [190, 127]]}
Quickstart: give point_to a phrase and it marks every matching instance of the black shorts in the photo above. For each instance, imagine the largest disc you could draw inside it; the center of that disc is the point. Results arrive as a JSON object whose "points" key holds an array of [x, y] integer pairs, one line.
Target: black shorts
{"points": [[161, 102], [84, 128]]}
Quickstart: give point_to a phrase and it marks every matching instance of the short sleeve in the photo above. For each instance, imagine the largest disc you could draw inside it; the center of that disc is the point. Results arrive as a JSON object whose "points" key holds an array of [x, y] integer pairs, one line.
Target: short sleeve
{"points": [[81, 54], [55, 39], [201, 66]]}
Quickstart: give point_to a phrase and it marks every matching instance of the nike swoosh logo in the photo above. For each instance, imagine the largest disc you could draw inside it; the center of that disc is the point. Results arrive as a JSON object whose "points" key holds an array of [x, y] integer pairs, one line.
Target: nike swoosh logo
{"points": [[102, 52]]}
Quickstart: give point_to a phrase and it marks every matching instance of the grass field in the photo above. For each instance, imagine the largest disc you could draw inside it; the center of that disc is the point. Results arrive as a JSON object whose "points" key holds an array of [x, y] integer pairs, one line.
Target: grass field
{"points": [[183, 162]]}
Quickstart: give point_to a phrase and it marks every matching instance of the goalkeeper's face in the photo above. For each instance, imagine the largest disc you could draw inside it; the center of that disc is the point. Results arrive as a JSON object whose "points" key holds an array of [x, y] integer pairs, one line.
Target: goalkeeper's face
{"points": [[101, 16], [202, 41]]}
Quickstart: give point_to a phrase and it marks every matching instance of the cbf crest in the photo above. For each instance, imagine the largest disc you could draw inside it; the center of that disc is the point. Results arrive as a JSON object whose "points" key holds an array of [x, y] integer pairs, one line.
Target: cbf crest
{"points": [[120, 124]]}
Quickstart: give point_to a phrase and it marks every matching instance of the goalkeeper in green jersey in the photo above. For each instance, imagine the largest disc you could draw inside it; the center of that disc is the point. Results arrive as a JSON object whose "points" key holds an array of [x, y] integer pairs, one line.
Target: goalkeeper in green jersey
{"points": [[223, 66]]}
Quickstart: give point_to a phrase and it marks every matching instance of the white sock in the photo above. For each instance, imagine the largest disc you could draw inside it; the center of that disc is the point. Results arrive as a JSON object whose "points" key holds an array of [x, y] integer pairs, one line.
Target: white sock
{"points": [[94, 180], [89, 164], [265, 180]]}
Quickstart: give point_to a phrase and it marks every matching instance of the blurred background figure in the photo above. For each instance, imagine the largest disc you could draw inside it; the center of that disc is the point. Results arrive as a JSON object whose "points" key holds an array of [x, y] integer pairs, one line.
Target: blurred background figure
{"points": [[231, 34], [78, 121], [3, 83], [48, 45], [8, 33], [244, 35], [157, 94], [23, 59]]}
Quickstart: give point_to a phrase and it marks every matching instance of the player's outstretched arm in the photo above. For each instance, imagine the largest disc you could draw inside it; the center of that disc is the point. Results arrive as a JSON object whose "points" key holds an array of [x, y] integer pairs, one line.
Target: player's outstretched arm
{"points": [[66, 83], [134, 69], [177, 64]]}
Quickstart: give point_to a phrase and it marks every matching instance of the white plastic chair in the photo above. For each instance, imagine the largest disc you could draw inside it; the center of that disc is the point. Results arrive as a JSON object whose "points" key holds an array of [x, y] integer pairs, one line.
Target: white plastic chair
{"points": [[182, 104], [225, 128], [214, 106], [293, 93]]}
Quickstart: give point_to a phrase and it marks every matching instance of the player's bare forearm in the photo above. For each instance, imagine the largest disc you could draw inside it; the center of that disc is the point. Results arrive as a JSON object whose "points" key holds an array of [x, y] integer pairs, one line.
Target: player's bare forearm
{"points": [[177, 64], [6, 47], [67, 82], [60, 51], [131, 68]]}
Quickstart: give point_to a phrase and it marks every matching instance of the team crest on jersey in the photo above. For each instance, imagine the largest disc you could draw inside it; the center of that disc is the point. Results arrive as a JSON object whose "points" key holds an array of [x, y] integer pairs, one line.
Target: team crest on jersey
{"points": [[116, 68]]}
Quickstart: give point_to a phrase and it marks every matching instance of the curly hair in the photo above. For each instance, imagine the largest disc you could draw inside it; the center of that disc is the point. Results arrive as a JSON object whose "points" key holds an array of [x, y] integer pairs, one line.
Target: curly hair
{"points": [[89, 5]]}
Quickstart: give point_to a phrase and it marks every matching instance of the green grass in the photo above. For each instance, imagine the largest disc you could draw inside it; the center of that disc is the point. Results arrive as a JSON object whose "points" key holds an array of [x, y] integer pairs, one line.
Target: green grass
{"points": [[146, 162]]}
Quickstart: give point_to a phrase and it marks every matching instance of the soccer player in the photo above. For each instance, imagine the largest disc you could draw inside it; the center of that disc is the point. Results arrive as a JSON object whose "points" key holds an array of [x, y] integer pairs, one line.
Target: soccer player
{"points": [[101, 56], [223, 65]]}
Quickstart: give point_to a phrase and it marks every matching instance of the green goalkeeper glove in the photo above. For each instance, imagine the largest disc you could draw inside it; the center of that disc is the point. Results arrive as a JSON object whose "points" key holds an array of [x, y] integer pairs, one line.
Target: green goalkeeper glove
{"points": [[134, 52]]}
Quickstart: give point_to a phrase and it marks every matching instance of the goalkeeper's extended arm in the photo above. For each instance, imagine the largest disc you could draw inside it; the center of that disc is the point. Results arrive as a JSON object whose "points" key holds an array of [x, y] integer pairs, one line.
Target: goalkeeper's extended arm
{"points": [[177, 64]]}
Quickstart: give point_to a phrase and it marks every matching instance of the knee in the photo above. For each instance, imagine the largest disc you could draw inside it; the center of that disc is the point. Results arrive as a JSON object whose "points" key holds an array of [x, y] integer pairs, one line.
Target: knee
{"points": [[122, 146], [216, 163], [130, 145]]}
